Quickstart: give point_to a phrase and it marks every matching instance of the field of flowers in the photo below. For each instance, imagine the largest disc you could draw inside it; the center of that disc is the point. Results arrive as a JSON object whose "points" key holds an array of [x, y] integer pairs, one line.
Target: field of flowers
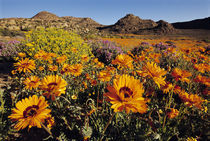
{"points": [[68, 88]]}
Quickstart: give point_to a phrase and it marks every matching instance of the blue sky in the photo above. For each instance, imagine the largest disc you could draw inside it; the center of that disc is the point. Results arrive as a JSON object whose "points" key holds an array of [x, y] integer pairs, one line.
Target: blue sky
{"points": [[109, 11]]}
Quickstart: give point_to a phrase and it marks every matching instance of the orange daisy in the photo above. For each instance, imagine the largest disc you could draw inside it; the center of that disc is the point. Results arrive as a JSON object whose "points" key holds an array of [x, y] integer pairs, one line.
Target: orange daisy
{"points": [[173, 113], [49, 121], [202, 67], [126, 94], [52, 68], [202, 79], [53, 85], [93, 82], [167, 88], [61, 59], [181, 75], [95, 60], [111, 69], [25, 65], [41, 68], [65, 69], [74, 50], [85, 58], [123, 61], [32, 82], [52, 54], [100, 65], [191, 99], [42, 55], [104, 76], [177, 89], [76, 69], [155, 72], [30, 112], [21, 54]]}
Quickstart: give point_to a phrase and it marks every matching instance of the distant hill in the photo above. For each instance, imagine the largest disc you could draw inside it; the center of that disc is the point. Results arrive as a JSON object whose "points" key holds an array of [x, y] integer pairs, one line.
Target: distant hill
{"points": [[84, 22], [194, 24], [133, 24], [47, 19], [129, 24], [164, 27], [44, 15]]}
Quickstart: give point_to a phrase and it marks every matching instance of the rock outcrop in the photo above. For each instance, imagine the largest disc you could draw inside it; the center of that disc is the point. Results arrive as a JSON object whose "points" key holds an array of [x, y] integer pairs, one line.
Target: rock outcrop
{"points": [[44, 15], [131, 24], [164, 27], [47, 19]]}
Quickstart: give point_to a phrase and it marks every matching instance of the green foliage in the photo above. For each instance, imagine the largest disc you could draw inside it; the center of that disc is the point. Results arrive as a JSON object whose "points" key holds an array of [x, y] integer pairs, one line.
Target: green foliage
{"points": [[5, 102], [11, 33], [2, 111], [56, 41], [83, 112]]}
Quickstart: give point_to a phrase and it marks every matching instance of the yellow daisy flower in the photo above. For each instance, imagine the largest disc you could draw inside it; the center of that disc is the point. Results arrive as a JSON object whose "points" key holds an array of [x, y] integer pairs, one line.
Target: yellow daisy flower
{"points": [[155, 72], [76, 69], [30, 112], [173, 113], [181, 75], [61, 59], [85, 58], [104, 76], [191, 99], [52, 68], [21, 54], [123, 60], [65, 69], [126, 94], [32, 82], [54, 85], [25, 65], [191, 139]]}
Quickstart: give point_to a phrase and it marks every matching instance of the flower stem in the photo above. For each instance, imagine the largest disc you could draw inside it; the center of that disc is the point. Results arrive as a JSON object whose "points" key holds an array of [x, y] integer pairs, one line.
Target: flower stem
{"points": [[46, 129], [66, 122], [66, 99], [170, 98], [56, 101], [164, 121], [110, 119], [97, 97], [168, 106]]}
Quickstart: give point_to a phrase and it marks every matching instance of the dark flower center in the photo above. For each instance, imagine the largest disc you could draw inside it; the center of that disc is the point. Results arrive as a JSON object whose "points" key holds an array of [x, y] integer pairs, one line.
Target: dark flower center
{"points": [[52, 86], [24, 65], [33, 82], [126, 91], [30, 111]]}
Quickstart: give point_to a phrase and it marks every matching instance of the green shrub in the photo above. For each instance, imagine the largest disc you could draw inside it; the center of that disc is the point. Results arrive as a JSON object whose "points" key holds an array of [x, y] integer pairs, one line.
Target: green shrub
{"points": [[56, 41], [11, 33]]}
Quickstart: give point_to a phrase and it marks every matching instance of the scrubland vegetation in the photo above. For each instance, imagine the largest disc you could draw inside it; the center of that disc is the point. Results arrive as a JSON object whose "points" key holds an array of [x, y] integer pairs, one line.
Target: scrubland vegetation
{"points": [[64, 87]]}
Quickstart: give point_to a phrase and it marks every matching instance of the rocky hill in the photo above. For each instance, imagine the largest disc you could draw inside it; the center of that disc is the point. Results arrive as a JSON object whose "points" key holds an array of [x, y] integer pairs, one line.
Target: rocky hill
{"points": [[47, 19], [82, 22], [194, 24], [131, 24], [44, 15], [164, 27]]}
